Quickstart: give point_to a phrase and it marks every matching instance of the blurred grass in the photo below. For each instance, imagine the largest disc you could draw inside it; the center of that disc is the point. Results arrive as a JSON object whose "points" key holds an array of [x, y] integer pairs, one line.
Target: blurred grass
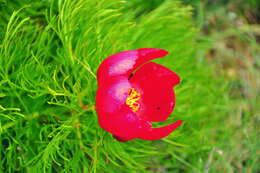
{"points": [[230, 31], [49, 53]]}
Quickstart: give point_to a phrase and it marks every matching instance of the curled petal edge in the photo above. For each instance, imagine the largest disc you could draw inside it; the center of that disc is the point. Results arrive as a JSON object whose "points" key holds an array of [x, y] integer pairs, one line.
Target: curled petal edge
{"points": [[158, 133], [124, 63], [152, 133]]}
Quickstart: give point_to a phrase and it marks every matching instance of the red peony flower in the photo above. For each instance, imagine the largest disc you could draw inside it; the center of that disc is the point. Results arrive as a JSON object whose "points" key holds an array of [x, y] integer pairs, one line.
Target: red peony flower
{"points": [[133, 92]]}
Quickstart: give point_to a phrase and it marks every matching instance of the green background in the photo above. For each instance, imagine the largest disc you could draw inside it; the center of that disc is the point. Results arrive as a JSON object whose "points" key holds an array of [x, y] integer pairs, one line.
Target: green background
{"points": [[50, 51]]}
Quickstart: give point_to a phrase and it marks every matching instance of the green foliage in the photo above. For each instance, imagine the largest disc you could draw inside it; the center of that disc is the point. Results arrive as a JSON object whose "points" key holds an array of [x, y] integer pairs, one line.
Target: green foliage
{"points": [[230, 37], [49, 54]]}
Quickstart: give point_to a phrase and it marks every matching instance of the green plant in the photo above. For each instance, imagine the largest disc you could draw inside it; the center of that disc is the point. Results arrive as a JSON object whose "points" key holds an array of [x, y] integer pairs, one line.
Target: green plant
{"points": [[49, 56]]}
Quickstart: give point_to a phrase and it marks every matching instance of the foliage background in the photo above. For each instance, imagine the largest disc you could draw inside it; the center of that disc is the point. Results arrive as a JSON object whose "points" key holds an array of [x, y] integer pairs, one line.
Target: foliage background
{"points": [[49, 54]]}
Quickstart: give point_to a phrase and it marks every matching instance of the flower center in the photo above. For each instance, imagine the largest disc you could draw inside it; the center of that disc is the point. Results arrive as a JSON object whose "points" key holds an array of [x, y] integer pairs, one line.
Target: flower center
{"points": [[132, 99]]}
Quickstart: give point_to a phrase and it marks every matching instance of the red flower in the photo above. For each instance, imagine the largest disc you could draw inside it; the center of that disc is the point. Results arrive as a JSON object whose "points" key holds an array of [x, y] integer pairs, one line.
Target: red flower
{"points": [[133, 92]]}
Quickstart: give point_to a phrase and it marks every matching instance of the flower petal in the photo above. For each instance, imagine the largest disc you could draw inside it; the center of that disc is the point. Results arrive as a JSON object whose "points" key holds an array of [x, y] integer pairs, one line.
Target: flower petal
{"points": [[123, 123], [124, 63], [112, 96], [123, 139], [157, 98], [113, 114], [154, 71], [158, 133]]}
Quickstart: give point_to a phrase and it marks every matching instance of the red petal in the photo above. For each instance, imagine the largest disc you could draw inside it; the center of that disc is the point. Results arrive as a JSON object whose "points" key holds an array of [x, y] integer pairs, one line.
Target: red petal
{"points": [[123, 139], [124, 63], [157, 98], [113, 114], [124, 123], [111, 96], [154, 71], [158, 133]]}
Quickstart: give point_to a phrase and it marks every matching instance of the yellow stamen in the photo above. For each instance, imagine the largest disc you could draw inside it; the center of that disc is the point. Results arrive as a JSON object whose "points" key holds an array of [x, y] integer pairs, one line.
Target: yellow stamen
{"points": [[132, 99]]}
